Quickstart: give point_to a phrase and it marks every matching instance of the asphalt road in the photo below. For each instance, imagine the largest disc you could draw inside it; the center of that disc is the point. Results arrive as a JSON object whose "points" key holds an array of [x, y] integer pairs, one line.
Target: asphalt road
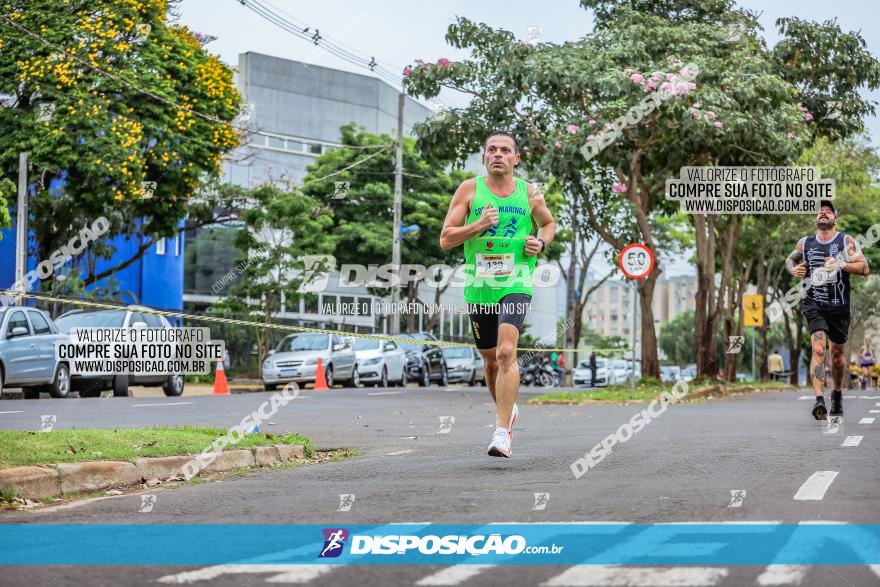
{"points": [[680, 468]]}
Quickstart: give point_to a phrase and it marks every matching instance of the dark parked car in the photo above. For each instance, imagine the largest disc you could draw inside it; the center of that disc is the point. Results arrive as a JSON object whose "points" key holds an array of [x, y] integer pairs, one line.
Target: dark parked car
{"points": [[27, 354], [130, 317], [424, 362]]}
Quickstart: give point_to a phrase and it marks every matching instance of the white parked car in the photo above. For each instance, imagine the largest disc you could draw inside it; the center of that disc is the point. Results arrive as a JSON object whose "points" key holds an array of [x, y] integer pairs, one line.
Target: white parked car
{"points": [[622, 369], [380, 361], [670, 373], [605, 376]]}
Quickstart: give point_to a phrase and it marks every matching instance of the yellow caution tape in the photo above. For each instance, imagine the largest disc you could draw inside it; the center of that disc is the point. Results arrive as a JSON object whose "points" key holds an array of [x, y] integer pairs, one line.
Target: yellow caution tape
{"points": [[285, 327]]}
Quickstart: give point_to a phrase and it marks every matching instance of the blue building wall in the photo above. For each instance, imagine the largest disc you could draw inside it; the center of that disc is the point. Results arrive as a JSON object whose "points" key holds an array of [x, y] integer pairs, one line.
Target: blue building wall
{"points": [[153, 280]]}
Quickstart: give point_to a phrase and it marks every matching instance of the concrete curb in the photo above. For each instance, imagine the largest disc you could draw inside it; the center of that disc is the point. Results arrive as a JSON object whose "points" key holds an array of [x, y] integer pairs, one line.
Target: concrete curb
{"points": [[35, 482]]}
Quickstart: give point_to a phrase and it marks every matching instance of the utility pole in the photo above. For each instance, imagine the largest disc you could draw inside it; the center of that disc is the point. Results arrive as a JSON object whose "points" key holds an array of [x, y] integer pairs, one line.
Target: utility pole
{"points": [[753, 354], [398, 215], [633, 335], [21, 231]]}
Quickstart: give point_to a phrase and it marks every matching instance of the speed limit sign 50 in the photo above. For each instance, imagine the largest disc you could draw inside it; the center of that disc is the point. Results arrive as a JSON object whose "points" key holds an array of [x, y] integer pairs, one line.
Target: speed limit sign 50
{"points": [[636, 261]]}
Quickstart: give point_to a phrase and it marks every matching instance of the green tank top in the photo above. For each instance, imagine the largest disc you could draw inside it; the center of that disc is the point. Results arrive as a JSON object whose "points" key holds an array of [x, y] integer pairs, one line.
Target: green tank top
{"points": [[495, 260]]}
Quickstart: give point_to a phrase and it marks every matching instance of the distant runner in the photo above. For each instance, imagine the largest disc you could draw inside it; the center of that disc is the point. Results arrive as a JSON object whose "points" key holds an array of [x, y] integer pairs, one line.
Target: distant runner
{"points": [[827, 258], [493, 216]]}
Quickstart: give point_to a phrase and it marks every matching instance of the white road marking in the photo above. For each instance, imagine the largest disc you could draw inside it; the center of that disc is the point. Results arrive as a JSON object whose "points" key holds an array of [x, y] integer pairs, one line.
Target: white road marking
{"points": [[212, 572], [869, 397], [866, 421], [737, 497], [874, 411], [385, 393], [615, 575], [783, 575], [587, 523], [301, 573], [727, 522], [13, 412], [396, 453], [852, 441], [804, 397], [259, 564], [454, 575], [875, 568], [833, 425], [815, 487], [168, 404]]}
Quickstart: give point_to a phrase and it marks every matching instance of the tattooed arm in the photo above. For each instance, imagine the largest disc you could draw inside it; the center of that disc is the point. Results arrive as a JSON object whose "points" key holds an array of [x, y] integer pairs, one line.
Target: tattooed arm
{"points": [[794, 263], [856, 263]]}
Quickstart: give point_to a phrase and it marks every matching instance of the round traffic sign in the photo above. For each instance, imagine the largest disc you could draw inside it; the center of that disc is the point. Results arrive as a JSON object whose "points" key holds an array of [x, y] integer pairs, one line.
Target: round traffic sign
{"points": [[636, 261]]}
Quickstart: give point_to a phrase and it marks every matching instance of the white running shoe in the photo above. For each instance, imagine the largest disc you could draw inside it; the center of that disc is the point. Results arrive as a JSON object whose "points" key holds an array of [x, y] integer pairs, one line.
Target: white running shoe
{"points": [[513, 415], [500, 446]]}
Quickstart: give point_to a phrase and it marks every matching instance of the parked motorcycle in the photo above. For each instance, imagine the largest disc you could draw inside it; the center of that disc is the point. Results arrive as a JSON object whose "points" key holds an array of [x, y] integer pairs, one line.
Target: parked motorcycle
{"points": [[538, 372]]}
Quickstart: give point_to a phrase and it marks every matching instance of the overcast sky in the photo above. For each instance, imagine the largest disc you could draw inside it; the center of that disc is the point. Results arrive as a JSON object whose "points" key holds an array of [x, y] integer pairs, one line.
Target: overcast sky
{"points": [[397, 32]]}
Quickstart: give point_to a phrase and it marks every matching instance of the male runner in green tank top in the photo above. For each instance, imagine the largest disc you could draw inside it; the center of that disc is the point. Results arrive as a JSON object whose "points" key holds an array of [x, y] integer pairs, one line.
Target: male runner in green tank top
{"points": [[492, 217]]}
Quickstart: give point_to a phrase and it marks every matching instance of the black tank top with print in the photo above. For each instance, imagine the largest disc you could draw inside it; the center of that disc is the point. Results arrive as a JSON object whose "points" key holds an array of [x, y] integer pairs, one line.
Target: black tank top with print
{"points": [[834, 291]]}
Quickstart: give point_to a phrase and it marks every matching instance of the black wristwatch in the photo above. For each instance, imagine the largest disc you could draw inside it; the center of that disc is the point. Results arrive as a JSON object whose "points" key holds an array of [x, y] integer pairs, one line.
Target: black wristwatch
{"points": [[543, 245]]}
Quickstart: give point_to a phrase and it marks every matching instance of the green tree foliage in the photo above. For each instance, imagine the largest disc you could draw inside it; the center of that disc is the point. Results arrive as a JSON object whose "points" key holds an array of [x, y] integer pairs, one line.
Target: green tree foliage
{"points": [[104, 96], [280, 229]]}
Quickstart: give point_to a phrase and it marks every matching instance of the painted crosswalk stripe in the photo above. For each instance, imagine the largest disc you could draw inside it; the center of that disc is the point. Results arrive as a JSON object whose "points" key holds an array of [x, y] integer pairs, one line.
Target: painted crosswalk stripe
{"points": [[852, 441], [874, 411], [163, 404], [301, 573], [397, 453], [866, 421], [783, 575], [264, 563], [454, 575], [13, 412], [618, 576], [815, 487], [215, 571]]}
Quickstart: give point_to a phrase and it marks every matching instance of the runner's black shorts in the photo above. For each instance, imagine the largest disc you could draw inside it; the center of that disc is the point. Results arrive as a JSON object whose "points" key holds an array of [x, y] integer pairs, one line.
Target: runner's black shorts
{"points": [[485, 318], [832, 319]]}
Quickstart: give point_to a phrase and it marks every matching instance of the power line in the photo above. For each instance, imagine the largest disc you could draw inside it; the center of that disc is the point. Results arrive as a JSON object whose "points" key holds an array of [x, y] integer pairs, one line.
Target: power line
{"points": [[317, 39], [154, 96], [299, 29]]}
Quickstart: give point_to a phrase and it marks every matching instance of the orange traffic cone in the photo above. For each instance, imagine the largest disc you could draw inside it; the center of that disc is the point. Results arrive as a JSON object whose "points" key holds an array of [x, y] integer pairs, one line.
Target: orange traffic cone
{"points": [[320, 378], [220, 386]]}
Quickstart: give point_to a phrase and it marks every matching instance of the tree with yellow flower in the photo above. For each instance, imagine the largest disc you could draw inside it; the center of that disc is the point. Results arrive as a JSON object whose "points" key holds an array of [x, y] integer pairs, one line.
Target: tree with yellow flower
{"points": [[111, 102]]}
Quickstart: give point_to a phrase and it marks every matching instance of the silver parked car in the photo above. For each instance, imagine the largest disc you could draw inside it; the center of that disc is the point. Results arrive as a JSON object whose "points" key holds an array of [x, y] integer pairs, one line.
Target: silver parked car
{"points": [[380, 361], [27, 353], [296, 359], [129, 317], [464, 364]]}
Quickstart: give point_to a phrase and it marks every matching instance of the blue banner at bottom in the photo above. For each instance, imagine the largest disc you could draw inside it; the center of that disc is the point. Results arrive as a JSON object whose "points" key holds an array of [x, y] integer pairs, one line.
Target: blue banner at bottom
{"points": [[446, 544]]}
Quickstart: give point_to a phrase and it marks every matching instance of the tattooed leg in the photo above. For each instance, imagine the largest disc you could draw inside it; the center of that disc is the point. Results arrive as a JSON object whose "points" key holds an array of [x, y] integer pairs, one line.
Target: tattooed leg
{"points": [[838, 365], [817, 364]]}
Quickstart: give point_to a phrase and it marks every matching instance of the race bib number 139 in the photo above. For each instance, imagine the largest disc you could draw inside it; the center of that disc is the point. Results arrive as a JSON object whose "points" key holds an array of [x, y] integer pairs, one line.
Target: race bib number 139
{"points": [[494, 265]]}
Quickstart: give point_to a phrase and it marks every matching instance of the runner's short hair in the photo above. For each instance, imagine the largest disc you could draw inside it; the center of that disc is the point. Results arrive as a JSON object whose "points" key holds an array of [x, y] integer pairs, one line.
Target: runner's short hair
{"points": [[496, 133]]}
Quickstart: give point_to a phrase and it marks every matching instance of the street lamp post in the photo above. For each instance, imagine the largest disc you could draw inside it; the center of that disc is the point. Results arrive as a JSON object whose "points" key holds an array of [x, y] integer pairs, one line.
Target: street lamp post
{"points": [[398, 213]]}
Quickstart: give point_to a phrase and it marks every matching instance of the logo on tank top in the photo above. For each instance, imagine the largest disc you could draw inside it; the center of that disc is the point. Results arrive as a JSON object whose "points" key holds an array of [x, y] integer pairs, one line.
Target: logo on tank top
{"points": [[509, 230]]}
